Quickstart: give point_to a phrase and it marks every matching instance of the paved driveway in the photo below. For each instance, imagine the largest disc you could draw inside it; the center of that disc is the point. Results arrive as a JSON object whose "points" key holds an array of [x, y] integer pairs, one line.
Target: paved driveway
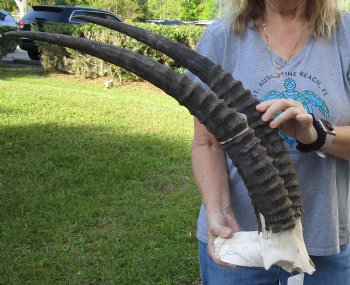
{"points": [[19, 57]]}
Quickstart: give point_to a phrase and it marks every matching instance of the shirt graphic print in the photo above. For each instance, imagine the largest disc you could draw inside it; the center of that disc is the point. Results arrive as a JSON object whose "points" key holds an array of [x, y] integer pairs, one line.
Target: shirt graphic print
{"points": [[307, 98]]}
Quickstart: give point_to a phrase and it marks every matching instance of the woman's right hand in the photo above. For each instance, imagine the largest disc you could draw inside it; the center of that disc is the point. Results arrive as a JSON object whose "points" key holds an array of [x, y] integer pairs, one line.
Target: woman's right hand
{"points": [[220, 224]]}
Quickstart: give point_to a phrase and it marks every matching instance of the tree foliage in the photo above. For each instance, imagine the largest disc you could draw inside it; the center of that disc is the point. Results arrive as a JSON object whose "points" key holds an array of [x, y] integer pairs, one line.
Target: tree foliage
{"points": [[209, 10], [189, 9], [163, 9], [8, 5]]}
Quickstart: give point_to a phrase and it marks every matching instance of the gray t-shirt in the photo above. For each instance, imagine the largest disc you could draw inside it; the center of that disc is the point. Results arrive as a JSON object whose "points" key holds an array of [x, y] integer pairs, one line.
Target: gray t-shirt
{"points": [[319, 77]]}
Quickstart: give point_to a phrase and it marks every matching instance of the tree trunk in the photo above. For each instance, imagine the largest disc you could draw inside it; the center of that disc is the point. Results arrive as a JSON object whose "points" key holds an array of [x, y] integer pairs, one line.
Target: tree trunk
{"points": [[22, 7]]}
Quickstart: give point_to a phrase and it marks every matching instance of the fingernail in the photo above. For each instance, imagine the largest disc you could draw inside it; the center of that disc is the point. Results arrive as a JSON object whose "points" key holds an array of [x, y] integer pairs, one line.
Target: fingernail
{"points": [[264, 117], [272, 124]]}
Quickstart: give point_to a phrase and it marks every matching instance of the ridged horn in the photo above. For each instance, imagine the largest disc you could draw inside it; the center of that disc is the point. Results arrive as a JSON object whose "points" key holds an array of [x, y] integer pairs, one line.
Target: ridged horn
{"points": [[250, 158], [227, 88]]}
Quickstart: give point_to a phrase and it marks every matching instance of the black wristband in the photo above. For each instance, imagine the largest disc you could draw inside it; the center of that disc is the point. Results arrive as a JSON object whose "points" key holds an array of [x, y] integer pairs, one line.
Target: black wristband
{"points": [[321, 138]]}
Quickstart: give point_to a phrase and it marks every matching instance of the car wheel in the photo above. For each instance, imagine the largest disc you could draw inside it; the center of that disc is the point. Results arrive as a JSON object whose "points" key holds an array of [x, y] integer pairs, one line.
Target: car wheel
{"points": [[12, 47], [33, 55]]}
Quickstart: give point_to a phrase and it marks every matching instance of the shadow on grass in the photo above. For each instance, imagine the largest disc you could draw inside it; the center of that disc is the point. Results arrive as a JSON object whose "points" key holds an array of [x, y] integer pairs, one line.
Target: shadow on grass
{"points": [[65, 157], [14, 71], [70, 197]]}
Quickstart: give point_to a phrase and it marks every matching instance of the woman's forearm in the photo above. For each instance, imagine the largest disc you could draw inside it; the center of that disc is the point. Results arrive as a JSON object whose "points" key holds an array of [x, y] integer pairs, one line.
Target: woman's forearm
{"points": [[340, 146], [210, 172]]}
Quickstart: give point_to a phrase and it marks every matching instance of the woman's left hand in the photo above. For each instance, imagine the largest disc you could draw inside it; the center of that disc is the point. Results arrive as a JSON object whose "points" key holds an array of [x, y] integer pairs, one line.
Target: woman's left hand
{"points": [[293, 120]]}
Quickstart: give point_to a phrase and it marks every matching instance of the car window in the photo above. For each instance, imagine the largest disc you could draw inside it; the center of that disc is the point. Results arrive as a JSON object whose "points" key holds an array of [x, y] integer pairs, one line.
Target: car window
{"points": [[43, 14], [2, 16], [111, 17], [93, 14]]}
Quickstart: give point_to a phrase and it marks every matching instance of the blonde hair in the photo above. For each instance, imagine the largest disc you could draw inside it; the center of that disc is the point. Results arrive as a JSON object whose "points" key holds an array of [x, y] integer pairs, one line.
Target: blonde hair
{"points": [[323, 15]]}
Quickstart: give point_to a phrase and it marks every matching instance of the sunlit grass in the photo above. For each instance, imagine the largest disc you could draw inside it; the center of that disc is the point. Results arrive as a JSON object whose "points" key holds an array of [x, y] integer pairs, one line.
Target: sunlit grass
{"points": [[96, 184]]}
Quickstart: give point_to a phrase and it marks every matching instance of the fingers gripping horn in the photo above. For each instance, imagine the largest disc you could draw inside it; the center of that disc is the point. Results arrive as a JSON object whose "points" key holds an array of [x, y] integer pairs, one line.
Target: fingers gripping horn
{"points": [[265, 187], [227, 88]]}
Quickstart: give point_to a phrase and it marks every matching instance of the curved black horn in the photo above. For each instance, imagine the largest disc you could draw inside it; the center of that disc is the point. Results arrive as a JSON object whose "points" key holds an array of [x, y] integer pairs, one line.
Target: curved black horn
{"points": [[226, 87], [268, 195]]}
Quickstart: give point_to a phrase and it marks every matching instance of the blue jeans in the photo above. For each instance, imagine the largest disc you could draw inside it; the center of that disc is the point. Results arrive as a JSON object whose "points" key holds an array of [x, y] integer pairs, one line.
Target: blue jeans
{"points": [[330, 270]]}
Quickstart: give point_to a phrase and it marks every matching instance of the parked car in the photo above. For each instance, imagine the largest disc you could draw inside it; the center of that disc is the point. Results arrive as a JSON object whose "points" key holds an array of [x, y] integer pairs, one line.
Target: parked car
{"points": [[166, 22], [7, 22], [43, 14]]}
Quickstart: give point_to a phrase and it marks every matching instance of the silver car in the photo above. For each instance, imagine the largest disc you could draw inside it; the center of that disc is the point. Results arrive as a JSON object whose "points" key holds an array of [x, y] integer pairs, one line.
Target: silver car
{"points": [[8, 22]]}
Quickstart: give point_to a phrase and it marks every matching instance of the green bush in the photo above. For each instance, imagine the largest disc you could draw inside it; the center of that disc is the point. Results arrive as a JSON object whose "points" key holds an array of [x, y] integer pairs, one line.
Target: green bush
{"points": [[67, 60]]}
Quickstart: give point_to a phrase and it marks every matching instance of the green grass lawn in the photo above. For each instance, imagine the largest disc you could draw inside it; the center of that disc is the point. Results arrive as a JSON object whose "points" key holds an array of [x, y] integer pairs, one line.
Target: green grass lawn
{"points": [[95, 184]]}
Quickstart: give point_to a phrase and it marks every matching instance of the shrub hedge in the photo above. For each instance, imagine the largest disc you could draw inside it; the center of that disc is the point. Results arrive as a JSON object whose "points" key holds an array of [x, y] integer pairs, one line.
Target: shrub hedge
{"points": [[67, 60]]}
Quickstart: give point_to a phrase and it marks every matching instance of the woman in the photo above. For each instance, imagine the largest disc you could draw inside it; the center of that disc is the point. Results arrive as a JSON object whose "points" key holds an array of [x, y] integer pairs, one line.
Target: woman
{"points": [[294, 55]]}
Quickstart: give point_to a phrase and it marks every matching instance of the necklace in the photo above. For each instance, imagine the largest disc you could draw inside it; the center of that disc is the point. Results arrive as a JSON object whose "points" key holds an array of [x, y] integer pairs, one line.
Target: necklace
{"points": [[279, 66]]}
